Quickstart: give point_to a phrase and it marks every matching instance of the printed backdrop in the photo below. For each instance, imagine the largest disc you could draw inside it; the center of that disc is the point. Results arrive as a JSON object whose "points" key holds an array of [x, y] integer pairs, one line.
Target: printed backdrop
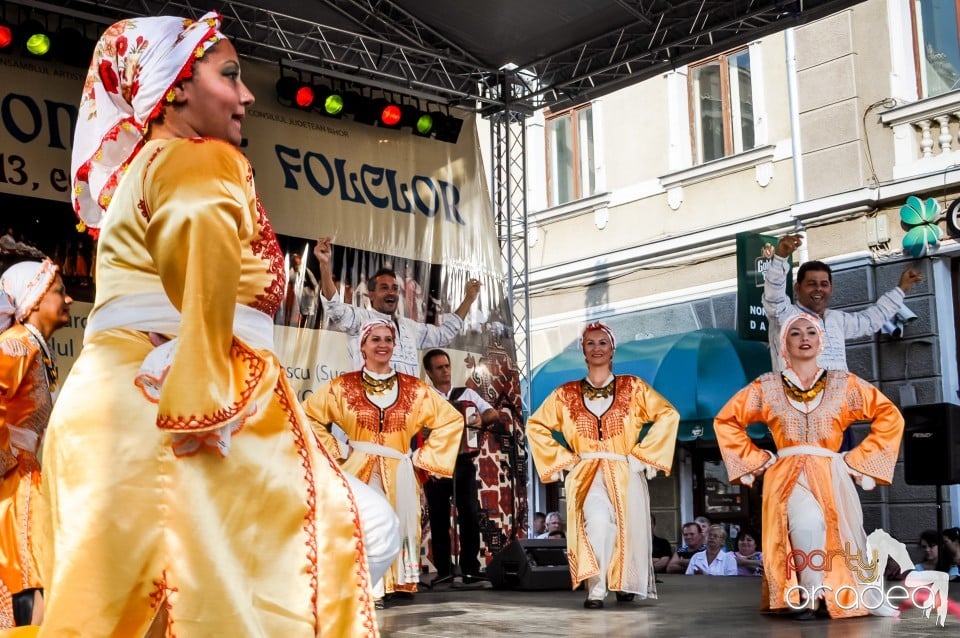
{"points": [[387, 197]]}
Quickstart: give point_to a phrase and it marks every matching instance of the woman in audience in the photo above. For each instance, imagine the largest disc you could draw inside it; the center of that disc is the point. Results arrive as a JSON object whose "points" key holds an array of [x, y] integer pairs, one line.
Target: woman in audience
{"points": [[748, 554]]}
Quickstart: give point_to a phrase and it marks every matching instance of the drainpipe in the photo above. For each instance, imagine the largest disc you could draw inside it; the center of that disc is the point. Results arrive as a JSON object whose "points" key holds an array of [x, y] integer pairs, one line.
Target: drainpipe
{"points": [[790, 44]]}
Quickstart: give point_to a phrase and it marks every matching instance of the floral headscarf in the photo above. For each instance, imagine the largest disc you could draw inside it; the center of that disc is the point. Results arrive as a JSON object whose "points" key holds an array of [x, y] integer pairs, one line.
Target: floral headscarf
{"points": [[368, 327], [22, 287], [135, 66], [785, 330], [596, 325]]}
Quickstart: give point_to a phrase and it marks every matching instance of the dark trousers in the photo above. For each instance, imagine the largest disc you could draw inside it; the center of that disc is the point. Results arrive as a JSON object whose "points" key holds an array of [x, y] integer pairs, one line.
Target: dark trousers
{"points": [[463, 488]]}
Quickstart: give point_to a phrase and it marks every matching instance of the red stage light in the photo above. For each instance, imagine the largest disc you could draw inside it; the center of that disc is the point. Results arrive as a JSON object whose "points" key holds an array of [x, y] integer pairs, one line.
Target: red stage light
{"points": [[304, 97], [6, 36], [390, 115]]}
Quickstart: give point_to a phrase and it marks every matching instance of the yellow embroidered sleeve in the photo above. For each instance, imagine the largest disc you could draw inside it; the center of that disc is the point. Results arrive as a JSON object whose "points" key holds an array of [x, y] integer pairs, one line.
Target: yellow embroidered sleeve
{"points": [[549, 456], [196, 199], [439, 453], [323, 409], [658, 445]]}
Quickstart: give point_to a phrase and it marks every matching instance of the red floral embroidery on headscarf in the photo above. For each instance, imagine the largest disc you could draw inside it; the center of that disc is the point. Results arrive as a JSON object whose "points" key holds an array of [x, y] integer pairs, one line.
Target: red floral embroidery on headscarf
{"points": [[109, 77], [122, 45]]}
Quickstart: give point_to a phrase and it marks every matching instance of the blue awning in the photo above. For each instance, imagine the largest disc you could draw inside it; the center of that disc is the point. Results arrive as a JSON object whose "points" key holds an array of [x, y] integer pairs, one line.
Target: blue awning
{"points": [[696, 371]]}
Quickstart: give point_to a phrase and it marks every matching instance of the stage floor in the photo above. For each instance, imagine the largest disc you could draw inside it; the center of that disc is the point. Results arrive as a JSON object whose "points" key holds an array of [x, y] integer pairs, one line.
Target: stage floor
{"points": [[695, 606]]}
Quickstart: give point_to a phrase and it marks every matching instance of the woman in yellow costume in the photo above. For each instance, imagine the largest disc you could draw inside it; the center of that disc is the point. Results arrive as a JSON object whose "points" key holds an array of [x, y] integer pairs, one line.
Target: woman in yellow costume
{"points": [[810, 506], [33, 305], [600, 417], [381, 410], [185, 493]]}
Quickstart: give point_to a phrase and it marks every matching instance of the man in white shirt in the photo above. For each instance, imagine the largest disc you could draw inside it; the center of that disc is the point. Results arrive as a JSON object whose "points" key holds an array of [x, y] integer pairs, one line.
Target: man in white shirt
{"points": [[813, 290], [478, 413], [553, 523], [383, 289], [714, 560]]}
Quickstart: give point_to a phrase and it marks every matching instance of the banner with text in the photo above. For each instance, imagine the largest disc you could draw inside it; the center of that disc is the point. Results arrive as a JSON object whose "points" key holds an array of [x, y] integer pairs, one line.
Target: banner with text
{"points": [[387, 197]]}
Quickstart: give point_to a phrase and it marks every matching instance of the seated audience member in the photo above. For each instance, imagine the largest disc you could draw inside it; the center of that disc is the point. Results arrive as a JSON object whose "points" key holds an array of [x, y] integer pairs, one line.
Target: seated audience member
{"points": [[704, 524], [692, 543], [748, 555], [553, 524], [714, 560], [950, 561], [539, 525], [661, 548], [929, 552]]}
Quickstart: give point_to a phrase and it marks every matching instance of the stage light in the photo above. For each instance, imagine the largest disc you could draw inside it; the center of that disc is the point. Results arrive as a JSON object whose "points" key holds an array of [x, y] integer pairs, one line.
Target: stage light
{"points": [[6, 35], [35, 40], [304, 96], [420, 121], [329, 102], [390, 115], [287, 89], [447, 127], [73, 47]]}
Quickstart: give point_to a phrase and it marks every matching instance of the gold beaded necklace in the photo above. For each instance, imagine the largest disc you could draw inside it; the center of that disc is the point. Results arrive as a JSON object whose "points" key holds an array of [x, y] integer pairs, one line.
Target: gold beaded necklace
{"points": [[595, 394], [805, 396], [375, 386]]}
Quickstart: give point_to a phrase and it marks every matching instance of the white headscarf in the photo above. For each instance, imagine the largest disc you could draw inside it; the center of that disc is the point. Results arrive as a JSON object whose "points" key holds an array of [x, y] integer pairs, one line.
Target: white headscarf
{"points": [[785, 331], [22, 287], [135, 66]]}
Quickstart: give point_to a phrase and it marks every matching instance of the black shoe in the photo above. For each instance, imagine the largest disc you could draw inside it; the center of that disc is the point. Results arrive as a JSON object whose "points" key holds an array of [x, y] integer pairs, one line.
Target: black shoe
{"points": [[469, 579], [806, 614], [379, 604], [625, 598], [589, 603]]}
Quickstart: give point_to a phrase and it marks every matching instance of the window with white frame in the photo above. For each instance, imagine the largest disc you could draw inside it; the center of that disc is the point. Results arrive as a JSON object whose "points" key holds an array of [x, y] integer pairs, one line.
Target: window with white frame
{"points": [[721, 105], [935, 36], [571, 166]]}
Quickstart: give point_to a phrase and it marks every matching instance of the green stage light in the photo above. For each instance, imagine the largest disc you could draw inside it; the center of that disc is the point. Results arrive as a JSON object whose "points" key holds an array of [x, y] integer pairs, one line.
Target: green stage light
{"points": [[35, 40], [333, 104], [424, 124]]}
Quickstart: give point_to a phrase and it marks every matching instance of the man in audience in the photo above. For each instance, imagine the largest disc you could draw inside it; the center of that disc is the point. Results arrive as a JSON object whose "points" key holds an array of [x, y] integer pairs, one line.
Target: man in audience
{"points": [[539, 525], [704, 524], [692, 543], [661, 548], [553, 524]]}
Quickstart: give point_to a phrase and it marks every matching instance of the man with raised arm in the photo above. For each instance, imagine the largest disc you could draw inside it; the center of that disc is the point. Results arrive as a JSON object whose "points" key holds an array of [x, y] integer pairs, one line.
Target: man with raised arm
{"points": [[813, 290], [384, 293]]}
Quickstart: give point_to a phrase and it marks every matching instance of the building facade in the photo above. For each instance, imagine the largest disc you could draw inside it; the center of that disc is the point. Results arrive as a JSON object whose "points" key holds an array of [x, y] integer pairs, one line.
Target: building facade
{"points": [[635, 200]]}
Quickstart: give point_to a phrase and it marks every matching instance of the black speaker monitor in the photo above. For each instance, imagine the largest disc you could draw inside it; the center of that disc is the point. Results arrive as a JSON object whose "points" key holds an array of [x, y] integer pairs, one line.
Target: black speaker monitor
{"points": [[531, 564], [931, 444]]}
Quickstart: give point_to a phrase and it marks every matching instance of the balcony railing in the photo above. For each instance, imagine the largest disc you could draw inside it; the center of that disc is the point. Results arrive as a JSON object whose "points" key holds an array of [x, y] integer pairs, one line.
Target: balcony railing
{"points": [[925, 135]]}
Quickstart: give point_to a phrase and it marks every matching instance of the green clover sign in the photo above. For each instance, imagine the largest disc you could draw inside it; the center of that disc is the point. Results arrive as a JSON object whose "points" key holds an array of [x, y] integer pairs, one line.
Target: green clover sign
{"points": [[920, 218]]}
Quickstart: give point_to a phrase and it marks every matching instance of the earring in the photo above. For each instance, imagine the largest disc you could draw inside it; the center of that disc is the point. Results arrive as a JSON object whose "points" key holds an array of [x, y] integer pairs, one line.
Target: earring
{"points": [[170, 96]]}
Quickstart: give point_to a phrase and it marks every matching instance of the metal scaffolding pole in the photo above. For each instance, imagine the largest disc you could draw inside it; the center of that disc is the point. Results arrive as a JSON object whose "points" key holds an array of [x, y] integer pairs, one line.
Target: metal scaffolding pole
{"points": [[509, 189]]}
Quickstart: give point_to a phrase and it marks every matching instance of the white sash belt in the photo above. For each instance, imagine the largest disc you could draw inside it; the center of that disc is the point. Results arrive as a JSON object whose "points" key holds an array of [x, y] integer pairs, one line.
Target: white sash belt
{"points": [[23, 439], [812, 450], [603, 455], [153, 312], [408, 508]]}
